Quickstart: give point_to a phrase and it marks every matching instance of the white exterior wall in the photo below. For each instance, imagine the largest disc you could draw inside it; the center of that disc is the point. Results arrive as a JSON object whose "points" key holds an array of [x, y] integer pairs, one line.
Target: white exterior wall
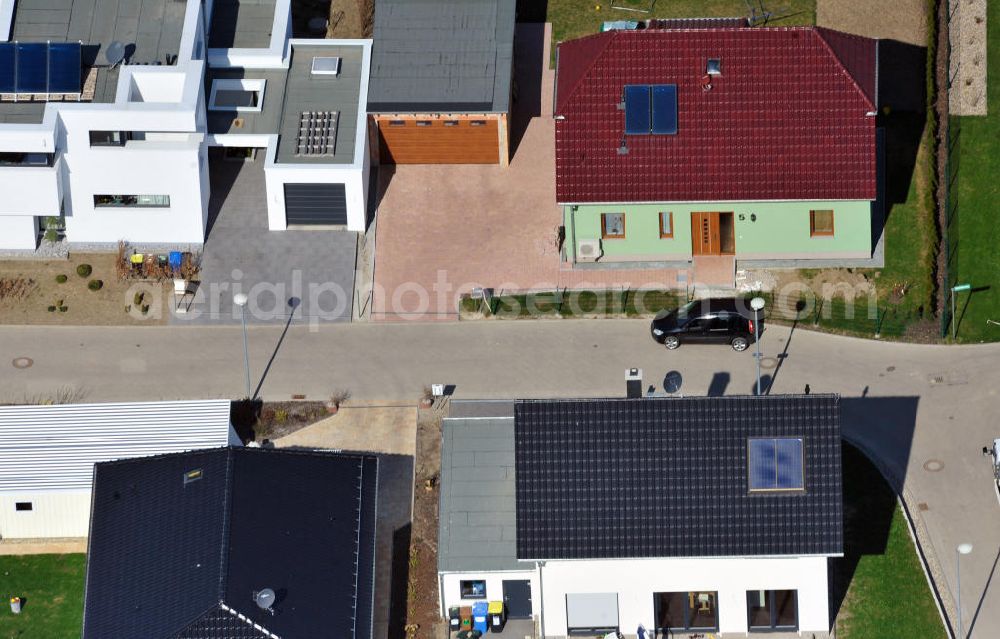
{"points": [[277, 175], [63, 513], [451, 592], [635, 581], [18, 232]]}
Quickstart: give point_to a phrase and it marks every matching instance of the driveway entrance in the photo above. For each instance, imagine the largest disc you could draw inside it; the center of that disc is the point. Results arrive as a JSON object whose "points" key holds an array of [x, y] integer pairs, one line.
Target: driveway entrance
{"points": [[314, 266]]}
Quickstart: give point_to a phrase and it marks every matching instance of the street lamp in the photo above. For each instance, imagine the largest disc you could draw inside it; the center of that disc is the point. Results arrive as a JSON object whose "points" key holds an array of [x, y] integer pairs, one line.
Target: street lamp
{"points": [[961, 549], [757, 304], [240, 299]]}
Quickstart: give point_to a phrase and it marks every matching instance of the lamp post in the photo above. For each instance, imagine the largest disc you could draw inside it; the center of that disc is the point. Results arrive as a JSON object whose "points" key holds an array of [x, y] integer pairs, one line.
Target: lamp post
{"points": [[240, 299], [961, 549], [757, 304]]}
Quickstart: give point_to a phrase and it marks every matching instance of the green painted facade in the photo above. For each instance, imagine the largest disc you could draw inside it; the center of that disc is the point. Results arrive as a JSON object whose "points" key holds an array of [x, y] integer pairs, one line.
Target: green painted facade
{"points": [[780, 230]]}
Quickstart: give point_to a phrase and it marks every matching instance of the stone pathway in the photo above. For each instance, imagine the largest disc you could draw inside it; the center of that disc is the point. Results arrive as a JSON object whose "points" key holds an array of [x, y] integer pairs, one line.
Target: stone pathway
{"points": [[43, 546]]}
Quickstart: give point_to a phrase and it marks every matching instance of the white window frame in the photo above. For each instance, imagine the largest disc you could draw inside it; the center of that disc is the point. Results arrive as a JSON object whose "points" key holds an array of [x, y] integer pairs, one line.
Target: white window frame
{"points": [[231, 84]]}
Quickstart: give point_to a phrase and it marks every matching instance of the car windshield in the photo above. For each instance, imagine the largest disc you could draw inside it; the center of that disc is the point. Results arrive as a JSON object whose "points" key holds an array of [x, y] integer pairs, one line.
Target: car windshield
{"points": [[683, 311]]}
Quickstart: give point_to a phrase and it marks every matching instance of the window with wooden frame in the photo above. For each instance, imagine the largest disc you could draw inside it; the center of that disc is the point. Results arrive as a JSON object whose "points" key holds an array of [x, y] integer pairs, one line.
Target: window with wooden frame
{"points": [[821, 223], [613, 226], [666, 225]]}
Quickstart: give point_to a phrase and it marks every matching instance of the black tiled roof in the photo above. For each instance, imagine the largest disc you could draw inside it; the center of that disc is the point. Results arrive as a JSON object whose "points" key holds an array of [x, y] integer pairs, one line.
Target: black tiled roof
{"points": [[667, 477], [176, 560]]}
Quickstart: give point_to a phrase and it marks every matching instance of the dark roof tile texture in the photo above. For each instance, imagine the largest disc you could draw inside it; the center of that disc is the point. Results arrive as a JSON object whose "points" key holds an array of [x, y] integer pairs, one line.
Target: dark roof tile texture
{"points": [[176, 560], [787, 119], [617, 478]]}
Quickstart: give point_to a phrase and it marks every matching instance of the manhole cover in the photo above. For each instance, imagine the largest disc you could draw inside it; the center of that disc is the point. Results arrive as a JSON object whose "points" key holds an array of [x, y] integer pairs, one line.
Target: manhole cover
{"points": [[23, 362], [933, 465], [890, 369], [768, 362]]}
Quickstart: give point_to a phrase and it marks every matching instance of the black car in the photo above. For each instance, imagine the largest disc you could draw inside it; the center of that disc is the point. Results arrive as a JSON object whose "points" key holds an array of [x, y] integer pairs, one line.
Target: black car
{"points": [[718, 320]]}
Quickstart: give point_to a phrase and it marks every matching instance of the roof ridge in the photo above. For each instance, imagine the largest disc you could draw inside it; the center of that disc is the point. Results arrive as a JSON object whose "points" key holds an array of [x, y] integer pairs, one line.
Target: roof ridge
{"points": [[198, 617], [818, 31], [607, 36], [226, 527], [247, 620]]}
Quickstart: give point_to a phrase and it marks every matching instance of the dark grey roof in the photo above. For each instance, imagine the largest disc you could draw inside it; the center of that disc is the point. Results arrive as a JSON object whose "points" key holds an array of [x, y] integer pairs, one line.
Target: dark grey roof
{"points": [[241, 24], [170, 559], [476, 515], [668, 478], [442, 56], [150, 29]]}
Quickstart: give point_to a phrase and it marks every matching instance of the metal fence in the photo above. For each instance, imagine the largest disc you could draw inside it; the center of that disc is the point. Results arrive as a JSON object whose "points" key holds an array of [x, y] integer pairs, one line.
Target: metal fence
{"points": [[950, 141]]}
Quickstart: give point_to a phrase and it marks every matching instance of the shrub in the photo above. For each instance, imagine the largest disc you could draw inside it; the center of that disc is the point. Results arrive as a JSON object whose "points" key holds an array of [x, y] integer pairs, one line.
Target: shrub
{"points": [[281, 416], [61, 278], [52, 309], [84, 270], [137, 300], [63, 309], [51, 235], [145, 309], [95, 285]]}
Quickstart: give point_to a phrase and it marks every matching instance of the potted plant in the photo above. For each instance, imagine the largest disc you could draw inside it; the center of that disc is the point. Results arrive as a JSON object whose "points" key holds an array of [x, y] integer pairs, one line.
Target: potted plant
{"points": [[427, 398], [336, 399]]}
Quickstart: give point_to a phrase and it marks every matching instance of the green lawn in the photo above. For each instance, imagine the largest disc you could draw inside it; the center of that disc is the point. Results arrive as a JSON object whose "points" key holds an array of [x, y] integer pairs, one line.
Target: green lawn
{"points": [[887, 593], [574, 18], [978, 191], [51, 588]]}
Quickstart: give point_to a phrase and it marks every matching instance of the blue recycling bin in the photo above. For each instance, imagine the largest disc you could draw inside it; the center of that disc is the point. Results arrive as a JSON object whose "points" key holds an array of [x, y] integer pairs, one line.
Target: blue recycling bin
{"points": [[176, 258], [479, 613]]}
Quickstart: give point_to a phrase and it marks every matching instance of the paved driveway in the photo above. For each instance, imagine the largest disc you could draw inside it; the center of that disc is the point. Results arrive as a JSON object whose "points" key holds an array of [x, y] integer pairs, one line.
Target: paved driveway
{"points": [[317, 267], [443, 229]]}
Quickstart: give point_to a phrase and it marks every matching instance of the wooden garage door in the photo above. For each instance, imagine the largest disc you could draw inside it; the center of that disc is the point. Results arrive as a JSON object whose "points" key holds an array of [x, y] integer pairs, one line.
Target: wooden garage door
{"points": [[438, 141]]}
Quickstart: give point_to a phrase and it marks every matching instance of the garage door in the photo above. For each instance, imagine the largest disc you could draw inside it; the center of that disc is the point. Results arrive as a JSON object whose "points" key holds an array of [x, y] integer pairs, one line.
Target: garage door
{"points": [[312, 204], [438, 141]]}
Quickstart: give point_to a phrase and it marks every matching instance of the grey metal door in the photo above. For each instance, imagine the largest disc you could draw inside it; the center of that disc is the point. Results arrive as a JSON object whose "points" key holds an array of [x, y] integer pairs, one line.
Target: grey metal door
{"points": [[315, 204], [517, 598]]}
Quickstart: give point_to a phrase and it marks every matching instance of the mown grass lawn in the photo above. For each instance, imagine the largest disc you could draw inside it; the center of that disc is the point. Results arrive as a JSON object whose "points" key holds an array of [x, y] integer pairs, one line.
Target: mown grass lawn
{"points": [[574, 18], [978, 191], [886, 592], [51, 587]]}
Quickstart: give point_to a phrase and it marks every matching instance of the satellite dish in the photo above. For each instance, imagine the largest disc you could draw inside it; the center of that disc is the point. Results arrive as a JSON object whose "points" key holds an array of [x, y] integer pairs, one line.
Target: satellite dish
{"points": [[264, 599], [115, 53], [672, 382]]}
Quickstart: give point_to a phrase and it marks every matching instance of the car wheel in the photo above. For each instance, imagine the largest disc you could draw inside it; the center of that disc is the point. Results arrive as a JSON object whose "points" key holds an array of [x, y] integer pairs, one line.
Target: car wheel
{"points": [[671, 342], [740, 344]]}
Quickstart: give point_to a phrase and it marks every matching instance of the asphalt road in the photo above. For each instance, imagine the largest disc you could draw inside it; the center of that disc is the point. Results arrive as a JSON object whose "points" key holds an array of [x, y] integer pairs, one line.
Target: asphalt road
{"points": [[924, 412]]}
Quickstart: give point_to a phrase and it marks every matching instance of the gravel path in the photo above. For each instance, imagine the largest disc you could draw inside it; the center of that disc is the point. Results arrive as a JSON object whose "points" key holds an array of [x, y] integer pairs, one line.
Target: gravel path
{"points": [[968, 57]]}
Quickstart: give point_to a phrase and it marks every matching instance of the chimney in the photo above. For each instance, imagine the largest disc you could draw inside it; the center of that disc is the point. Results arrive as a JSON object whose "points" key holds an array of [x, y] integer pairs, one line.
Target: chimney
{"points": [[633, 383]]}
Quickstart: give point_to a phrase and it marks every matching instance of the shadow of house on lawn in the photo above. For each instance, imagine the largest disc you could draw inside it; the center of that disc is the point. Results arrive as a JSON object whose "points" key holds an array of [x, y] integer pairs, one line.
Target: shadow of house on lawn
{"points": [[885, 424], [902, 103]]}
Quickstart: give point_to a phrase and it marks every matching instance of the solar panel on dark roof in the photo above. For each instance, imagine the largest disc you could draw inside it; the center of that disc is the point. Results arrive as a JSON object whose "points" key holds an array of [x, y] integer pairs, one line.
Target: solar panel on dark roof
{"points": [[64, 67], [636, 109], [32, 67], [40, 67], [7, 72]]}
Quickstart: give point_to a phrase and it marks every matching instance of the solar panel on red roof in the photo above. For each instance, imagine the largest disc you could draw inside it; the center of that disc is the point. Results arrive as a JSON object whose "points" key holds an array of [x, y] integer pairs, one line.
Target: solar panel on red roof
{"points": [[636, 109], [664, 109]]}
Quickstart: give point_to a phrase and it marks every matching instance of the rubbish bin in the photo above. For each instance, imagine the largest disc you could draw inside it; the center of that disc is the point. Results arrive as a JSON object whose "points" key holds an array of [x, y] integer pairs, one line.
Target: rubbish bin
{"points": [[465, 617], [479, 616], [453, 620], [498, 616], [15, 605]]}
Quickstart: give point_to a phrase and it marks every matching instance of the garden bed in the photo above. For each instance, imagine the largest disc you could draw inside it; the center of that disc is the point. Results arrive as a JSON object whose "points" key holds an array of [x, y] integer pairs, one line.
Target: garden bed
{"points": [[75, 298]]}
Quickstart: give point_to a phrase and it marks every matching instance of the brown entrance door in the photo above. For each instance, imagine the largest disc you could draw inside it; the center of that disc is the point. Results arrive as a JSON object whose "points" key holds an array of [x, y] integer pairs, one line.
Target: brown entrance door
{"points": [[712, 234]]}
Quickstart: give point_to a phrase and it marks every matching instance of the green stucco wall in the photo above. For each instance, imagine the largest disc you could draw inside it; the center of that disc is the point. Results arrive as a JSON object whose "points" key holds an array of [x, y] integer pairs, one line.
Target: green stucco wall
{"points": [[781, 230]]}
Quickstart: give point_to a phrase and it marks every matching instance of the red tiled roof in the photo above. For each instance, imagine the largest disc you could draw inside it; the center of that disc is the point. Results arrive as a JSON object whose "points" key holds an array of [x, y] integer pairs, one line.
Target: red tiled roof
{"points": [[787, 119]]}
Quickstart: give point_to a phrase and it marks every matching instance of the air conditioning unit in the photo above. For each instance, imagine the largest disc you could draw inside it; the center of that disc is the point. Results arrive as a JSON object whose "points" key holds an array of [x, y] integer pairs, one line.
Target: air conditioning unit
{"points": [[588, 250]]}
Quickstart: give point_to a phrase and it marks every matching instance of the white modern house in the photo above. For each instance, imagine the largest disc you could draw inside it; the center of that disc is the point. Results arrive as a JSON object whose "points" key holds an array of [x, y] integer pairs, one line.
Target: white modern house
{"points": [[648, 516], [107, 111], [48, 454]]}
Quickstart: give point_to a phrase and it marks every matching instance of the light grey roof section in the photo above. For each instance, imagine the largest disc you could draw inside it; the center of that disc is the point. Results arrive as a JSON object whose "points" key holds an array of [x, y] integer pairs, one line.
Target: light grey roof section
{"points": [[264, 121], [480, 408], [305, 91], [449, 56], [150, 29], [241, 24], [477, 518], [56, 447]]}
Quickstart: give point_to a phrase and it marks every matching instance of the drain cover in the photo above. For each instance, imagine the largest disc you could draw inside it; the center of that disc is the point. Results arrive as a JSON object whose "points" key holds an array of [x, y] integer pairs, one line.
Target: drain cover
{"points": [[923, 507], [768, 363], [22, 362], [933, 465]]}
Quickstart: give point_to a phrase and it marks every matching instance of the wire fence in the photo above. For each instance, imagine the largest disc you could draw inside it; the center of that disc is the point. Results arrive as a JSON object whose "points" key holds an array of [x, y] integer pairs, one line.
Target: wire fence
{"points": [[949, 152]]}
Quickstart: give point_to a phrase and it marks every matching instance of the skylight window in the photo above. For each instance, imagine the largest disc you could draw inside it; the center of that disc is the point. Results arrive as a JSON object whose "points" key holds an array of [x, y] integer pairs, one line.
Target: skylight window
{"points": [[776, 464]]}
